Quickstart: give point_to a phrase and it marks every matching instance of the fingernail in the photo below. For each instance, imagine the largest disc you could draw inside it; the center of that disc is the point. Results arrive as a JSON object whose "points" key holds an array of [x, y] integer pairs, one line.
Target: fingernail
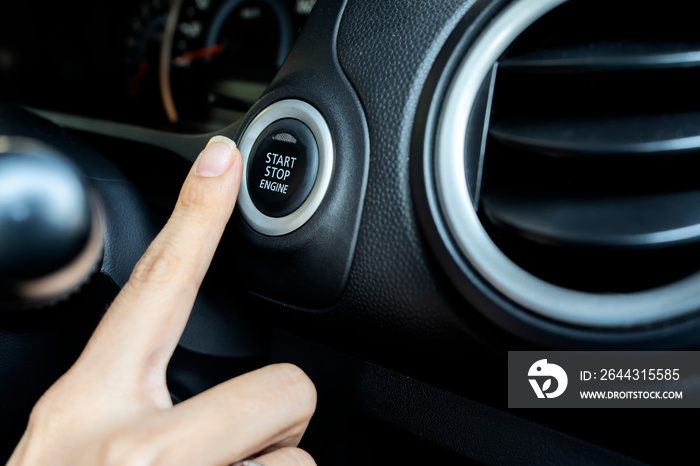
{"points": [[216, 158]]}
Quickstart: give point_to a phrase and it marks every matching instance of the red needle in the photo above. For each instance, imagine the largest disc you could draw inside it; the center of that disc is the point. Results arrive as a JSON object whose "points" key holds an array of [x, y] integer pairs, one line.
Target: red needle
{"points": [[138, 78], [187, 57]]}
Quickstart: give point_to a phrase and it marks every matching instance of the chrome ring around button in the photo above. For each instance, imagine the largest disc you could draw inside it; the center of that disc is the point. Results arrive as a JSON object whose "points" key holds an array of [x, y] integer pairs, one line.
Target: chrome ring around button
{"points": [[307, 114]]}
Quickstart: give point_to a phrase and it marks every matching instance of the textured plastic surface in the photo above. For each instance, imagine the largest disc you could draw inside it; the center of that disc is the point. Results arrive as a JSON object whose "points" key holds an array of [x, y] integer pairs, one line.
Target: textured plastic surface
{"points": [[309, 267], [394, 291]]}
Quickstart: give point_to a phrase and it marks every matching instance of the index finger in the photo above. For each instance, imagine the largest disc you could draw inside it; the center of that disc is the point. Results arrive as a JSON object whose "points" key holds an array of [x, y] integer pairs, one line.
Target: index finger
{"points": [[145, 321]]}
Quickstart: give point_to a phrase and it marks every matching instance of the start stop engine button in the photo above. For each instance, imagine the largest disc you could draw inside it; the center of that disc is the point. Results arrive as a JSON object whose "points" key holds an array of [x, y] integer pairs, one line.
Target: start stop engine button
{"points": [[288, 158], [283, 166]]}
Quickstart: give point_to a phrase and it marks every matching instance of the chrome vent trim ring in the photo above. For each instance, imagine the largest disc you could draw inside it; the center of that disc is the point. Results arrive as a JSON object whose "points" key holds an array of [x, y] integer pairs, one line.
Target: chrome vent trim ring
{"points": [[603, 311]]}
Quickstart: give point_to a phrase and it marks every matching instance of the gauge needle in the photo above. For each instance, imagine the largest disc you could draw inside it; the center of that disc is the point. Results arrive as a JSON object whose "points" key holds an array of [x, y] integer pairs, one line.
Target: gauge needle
{"points": [[138, 77], [187, 57]]}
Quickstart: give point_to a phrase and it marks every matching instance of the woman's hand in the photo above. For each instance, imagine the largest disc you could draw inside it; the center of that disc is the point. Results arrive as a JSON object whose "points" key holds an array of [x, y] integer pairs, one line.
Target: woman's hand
{"points": [[113, 406]]}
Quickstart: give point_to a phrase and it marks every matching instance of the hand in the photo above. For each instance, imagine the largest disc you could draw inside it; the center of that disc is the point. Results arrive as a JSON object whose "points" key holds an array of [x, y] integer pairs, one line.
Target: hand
{"points": [[113, 406]]}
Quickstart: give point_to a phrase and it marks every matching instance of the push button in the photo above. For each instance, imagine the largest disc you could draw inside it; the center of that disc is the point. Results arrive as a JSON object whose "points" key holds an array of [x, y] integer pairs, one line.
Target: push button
{"points": [[288, 155], [282, 167]]}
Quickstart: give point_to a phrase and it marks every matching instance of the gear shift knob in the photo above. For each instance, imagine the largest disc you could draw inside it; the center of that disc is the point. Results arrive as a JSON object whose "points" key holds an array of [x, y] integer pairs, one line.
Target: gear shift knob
{"points": [[50, 229]]}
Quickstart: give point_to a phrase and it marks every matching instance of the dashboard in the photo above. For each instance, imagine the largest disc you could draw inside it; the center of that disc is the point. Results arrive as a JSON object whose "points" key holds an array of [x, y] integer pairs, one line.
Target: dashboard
{"points": [[176, 66], [484, 176]]}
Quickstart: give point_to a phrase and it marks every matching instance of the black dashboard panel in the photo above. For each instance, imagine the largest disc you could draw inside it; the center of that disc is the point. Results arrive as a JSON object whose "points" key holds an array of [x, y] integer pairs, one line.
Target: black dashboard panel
{"points": [[409, 363], [105, 60], [320, 252], [63, 56]]}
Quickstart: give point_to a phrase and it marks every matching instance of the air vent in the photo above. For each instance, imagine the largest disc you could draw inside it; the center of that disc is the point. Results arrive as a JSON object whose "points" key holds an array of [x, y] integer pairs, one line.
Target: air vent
{"points": [[590, 168], [567, 160]]}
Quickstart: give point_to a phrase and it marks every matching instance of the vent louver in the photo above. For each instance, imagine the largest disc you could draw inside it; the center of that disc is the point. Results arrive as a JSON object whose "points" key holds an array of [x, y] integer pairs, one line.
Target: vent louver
{"points": [[592, 160], [567, 161]]}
